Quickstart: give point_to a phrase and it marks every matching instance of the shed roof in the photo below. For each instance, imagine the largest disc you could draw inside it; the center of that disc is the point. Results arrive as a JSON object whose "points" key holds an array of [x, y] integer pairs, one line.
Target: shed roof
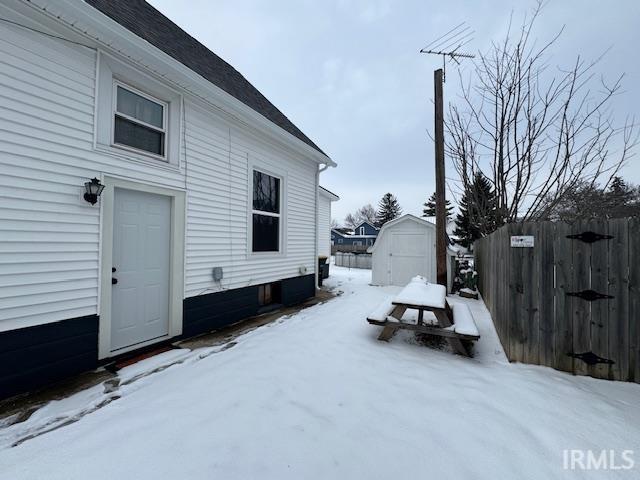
{"points": [[146, 22], [396, 221]]}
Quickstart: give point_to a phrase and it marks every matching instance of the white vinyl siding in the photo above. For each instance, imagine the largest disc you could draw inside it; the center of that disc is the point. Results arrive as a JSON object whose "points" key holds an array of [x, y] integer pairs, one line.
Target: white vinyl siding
{"points": [[50, 236], [221, 159], [324, 225]]}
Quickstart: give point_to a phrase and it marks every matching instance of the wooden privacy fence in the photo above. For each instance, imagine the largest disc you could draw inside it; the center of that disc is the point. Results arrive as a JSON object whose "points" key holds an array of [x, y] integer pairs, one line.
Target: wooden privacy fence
{"points": [[572, 301]]}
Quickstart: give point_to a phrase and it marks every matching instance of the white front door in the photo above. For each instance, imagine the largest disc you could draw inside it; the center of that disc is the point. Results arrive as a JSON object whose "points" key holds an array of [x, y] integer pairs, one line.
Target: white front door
{"points": [[141, 268], [409, 257]]}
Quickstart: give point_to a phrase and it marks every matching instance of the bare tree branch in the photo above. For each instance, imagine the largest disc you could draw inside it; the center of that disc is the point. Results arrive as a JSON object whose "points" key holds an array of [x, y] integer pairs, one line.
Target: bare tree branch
{"points": [[536, 134]]}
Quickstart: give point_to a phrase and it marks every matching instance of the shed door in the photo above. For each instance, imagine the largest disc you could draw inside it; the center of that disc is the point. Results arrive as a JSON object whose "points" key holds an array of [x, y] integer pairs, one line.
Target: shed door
{"points": [[141, 254], [408, 257]]}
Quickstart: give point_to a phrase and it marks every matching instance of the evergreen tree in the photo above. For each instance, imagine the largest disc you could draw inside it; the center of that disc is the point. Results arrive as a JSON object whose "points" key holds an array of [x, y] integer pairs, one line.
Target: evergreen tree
{"points": [[388, 209], [429, 209], [621, 199], [586, 200], [477, 212]]}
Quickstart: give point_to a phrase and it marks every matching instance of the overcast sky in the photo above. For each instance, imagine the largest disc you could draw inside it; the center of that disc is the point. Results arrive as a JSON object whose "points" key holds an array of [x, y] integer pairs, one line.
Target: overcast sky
{"points": [[349, 75]]}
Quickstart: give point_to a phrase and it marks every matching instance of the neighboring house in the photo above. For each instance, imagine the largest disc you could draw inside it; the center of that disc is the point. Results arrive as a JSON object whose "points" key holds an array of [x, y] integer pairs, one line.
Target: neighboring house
{"points": [[325, 197], [364, 235], [366, 229], [210, 193], [406, 247]]}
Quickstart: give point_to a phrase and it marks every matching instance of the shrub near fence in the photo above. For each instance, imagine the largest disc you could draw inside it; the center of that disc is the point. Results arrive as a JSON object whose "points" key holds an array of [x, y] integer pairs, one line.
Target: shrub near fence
{"points": [[352, 260], [572, 302]]}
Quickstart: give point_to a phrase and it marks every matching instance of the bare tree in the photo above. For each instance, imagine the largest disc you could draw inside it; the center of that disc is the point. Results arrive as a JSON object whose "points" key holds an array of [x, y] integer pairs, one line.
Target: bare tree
{"points": [[534, 133], [366, 213], [350, 221]]}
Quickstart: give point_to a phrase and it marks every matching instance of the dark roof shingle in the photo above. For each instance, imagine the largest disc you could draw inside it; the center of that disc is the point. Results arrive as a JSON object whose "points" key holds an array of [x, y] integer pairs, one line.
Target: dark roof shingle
{"points": [[149, 24]]}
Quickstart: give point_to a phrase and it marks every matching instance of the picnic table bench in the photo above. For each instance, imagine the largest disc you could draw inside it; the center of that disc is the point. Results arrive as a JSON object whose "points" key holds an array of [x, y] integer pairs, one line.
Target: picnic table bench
{"points": [[455, 322]]}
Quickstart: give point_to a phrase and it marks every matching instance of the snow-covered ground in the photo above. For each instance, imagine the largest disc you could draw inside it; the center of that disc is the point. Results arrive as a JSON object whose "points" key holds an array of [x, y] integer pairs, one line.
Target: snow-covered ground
{"points": [[316, 396]]}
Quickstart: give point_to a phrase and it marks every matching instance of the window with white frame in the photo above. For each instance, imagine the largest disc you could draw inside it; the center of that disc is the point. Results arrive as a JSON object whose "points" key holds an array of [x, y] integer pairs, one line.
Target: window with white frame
{"points": [[361, 230], [266, 214], [139, 121]]}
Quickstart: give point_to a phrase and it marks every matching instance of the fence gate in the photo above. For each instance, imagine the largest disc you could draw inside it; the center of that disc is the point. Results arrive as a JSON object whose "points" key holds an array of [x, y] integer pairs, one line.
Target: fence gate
{"points": [[572, 300]]}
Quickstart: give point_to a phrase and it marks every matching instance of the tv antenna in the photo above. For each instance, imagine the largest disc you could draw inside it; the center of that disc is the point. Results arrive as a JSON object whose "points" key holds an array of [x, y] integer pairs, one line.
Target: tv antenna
{"points": [[449, 46]]}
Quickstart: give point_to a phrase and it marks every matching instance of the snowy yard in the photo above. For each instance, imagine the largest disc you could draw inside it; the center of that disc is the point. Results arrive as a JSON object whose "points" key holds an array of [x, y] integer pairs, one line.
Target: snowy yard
{"points": [[316, 396]]}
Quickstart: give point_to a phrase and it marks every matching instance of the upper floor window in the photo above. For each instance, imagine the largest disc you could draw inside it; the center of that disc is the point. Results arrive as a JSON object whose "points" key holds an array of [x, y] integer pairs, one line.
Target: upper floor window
{"points": [[139, 121], [266, 212], [361, 230]]}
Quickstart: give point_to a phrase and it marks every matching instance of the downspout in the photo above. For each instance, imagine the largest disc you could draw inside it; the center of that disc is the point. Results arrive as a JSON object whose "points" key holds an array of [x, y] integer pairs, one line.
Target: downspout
{"points": [[315, 260]]}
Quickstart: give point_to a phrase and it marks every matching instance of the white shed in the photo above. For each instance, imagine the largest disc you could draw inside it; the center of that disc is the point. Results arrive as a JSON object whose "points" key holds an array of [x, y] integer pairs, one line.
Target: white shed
{"points": [[405, 247]]}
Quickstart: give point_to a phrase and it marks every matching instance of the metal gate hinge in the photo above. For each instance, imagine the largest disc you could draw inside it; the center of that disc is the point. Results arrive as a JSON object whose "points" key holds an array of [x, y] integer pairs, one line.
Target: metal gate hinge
{"points": [[591, 358], [589, 237], [589, 295]]}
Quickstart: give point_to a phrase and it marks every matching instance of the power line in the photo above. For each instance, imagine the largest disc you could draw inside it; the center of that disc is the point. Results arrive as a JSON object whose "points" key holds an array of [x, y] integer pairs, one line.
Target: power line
{"points": [[26, 27]]}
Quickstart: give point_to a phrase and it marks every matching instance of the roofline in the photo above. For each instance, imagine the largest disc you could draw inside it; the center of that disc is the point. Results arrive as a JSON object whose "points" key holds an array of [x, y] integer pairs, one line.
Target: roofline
{"points": [[328, 193], [345, 235], [401, 219], [84, 14], [368, 223]]}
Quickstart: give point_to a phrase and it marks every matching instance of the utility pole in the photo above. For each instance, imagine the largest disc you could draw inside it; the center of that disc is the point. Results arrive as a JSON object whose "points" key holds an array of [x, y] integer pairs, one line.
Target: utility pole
{"points": [[441, 214], [447, 46]]}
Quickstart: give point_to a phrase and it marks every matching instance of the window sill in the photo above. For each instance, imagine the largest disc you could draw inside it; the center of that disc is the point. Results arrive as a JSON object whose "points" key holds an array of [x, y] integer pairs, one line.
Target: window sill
{"points": [[277, 254], [138, 157]]}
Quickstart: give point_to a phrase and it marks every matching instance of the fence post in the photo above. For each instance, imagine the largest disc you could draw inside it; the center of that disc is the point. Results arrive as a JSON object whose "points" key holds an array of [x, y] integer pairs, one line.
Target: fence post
{"points": [[546, 267], [619, 320], [634, 299]]}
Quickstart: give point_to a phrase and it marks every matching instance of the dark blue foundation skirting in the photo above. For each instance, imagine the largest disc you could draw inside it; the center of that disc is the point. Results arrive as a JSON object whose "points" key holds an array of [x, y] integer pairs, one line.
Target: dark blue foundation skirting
{"points": [[205, 313], [34, 357]]}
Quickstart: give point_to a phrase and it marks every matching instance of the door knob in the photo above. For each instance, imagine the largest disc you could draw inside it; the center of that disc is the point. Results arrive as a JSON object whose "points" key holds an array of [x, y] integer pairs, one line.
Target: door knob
{"points": [[114, 281]]}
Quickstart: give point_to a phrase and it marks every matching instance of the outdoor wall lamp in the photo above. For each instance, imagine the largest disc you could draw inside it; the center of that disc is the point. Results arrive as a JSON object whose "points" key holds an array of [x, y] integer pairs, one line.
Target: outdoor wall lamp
{"points": [[92, 190]]}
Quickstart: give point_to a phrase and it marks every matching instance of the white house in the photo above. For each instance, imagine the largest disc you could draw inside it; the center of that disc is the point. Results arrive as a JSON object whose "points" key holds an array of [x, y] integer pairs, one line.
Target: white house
{"points": [[325, 197], [209, 208], [405, 247]]}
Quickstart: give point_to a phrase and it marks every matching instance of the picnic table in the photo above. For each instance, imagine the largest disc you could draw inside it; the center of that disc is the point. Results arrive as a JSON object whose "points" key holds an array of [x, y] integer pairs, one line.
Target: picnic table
{"points": [[455, 322]]}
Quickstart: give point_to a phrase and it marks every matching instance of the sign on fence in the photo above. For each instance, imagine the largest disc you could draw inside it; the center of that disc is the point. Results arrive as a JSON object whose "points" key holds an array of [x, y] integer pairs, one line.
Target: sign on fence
{"points": [[522, 241], [573, 301]]}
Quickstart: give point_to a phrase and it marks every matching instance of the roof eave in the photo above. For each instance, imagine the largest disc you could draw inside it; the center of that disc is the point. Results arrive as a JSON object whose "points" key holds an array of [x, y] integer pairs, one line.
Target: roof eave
{"points": [[83, 18], [328, 194]]}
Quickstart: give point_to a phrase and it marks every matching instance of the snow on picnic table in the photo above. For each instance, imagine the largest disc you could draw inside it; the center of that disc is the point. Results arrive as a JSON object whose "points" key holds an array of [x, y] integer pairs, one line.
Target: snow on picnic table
{"points": [[316, 396], [422, 294]]}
